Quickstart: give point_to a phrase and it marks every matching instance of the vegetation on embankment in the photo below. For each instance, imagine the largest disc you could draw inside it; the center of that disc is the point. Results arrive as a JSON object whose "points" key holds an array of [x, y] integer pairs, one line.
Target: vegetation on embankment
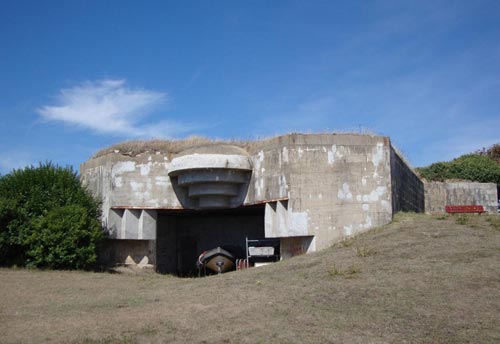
{"points": [[421, 279], [482, 166]]}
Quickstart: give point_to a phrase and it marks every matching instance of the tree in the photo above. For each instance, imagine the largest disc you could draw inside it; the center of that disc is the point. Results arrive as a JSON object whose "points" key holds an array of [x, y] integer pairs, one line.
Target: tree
{"points": [[47, 219], [492, 152]]}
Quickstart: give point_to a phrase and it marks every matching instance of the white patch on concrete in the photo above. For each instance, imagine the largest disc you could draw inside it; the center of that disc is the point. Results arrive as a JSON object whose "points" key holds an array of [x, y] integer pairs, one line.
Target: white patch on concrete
{"points": [[257, 188], [136, 186], [285, 154], [312, 246], [162, 181], [122, 167], [348, 230], [145, 169], [385, 205], [366, 207], [378, 154], [324, 149], [150, 158], [359, 198], [367, 224], [194, 161], [363, 181], [299, 152], [375, 195], [118, 182], [344, 193], [282, 185], [381, 190], [261, 156], [262, 170], [297, 223], [331, 155], [320, 196]]}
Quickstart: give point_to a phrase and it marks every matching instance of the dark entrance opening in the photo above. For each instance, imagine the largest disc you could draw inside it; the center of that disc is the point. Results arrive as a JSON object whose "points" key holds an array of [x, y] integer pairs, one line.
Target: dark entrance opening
{"points": [[182, 235]]}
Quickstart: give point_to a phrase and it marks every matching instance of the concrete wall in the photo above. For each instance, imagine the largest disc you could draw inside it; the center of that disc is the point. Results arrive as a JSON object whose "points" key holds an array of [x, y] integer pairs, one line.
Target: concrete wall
{"points": [[407, 188], [439, 194], [337, 185], [140, 182], [128, 252]]}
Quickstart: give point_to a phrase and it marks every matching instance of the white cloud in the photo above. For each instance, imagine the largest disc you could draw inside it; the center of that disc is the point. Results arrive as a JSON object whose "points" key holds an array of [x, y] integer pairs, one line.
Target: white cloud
{"points": [[110, 107]]}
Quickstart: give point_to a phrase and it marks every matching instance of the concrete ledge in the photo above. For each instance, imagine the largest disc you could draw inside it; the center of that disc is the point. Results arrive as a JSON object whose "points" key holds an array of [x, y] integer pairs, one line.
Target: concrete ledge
{"points": [[203, 161]]}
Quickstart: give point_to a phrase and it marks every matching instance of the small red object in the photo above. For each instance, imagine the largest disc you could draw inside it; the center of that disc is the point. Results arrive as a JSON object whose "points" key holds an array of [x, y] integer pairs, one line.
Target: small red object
{"points": [[464, 209]]}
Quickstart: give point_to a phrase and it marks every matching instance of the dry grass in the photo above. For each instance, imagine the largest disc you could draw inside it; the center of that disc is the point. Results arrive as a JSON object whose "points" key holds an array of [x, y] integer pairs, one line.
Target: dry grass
{"points": [[164, 146], [133, 148], [430, 281]]}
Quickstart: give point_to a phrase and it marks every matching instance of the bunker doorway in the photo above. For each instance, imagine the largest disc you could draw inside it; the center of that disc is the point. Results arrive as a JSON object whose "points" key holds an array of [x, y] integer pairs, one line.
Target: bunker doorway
{"points": [[182, 235]]}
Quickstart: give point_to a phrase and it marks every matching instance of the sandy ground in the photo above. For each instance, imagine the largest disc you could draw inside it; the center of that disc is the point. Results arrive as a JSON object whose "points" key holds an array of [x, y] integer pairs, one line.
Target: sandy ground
{"points": [[421, 279]]}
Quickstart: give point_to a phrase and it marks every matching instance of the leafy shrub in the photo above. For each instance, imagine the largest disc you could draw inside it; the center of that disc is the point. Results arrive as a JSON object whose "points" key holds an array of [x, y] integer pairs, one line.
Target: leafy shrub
{"points": [[65, 238], [470, 167], [47, 219]]}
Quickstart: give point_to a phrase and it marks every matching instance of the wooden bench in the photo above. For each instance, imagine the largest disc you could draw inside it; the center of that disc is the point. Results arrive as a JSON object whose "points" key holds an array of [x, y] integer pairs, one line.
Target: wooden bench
{"points": [[453, 209]]}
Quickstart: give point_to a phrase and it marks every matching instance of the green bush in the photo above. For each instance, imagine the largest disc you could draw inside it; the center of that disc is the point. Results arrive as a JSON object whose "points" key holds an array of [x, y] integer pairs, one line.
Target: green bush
{"points": [[470, 167], [65, 238], [47, 219]]}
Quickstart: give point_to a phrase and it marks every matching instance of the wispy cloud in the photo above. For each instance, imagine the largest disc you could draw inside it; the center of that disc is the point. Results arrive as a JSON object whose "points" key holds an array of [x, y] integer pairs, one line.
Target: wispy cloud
{"points": [[110, 107]]}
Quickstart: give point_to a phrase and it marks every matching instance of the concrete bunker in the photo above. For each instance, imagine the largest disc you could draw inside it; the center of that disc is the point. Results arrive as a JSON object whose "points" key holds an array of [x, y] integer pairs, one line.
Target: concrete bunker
{"points": [[167, 201]]}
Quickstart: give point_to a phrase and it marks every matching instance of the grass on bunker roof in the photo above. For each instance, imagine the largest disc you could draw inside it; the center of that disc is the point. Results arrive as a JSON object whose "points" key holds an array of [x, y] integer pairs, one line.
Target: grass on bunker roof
{"points": [[174, 146], [421, 279]]}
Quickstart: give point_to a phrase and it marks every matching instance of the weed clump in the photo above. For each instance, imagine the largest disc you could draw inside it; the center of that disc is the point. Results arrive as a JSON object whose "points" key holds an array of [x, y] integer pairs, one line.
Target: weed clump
{"points": [[364, 251], [348, 272], [462, 220]]}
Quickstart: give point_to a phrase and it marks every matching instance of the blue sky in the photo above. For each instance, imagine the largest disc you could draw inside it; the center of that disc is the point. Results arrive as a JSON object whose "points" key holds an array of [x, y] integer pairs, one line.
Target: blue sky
{"points": [[77, 76]]}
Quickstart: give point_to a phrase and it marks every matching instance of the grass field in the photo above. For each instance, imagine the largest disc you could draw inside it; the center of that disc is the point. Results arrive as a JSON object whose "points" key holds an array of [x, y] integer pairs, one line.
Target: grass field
{"points": [[421, 279]]}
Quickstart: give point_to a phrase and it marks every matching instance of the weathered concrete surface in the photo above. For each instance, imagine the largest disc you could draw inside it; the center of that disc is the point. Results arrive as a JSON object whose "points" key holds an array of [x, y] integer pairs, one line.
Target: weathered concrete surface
{"points": [[317, 188], [213, 179], [338, 185], [440, 194]]}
